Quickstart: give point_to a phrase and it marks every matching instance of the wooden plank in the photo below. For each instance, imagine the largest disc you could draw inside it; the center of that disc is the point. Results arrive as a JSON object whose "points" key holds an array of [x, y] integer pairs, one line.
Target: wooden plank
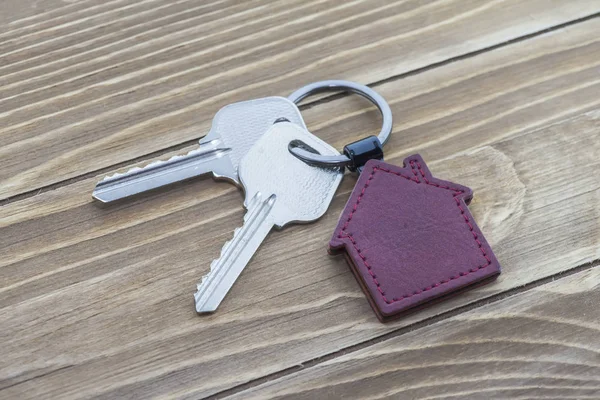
{"points": [[98, 301], [84, 89], [543, 343], [20, 13]]}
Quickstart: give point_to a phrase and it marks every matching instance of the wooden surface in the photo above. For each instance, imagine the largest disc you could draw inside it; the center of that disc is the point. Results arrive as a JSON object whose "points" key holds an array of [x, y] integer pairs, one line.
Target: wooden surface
{"points": [[501, 96], [526, 346]]}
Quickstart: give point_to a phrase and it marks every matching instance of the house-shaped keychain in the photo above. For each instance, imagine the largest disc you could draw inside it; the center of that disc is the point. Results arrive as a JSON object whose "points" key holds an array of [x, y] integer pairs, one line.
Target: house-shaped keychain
{"points": [[410, 238]]}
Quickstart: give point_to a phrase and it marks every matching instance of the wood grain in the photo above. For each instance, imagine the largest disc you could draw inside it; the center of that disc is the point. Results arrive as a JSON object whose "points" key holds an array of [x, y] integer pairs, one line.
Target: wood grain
{"points": [[92, 83], [98, 301], [544, 343], [20, 13]]}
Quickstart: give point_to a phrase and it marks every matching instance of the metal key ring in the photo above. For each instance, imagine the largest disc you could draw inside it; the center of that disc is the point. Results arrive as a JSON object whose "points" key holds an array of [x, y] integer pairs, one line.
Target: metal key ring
{"points": [[333, 85]]}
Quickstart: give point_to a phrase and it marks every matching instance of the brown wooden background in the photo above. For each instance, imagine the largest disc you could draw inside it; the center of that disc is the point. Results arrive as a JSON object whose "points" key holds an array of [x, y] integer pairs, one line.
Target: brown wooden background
{"points": [[502, 96]]}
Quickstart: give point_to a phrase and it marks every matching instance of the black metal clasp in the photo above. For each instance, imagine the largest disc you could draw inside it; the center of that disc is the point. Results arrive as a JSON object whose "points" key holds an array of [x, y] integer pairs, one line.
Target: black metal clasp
{"points": [[363, 150]]}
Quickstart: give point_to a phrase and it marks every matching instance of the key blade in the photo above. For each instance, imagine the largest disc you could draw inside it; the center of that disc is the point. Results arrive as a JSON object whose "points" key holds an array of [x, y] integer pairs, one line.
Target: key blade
{"points": [[235, 129], [296, 192], [207, 158], [235, 254]]}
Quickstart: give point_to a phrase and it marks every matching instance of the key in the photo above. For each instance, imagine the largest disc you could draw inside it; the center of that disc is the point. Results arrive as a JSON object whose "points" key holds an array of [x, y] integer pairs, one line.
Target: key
{"points": [[235, 128], [280, 189]]}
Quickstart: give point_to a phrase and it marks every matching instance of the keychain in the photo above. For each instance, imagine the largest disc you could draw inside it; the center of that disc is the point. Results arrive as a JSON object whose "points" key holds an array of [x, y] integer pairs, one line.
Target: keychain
{"points": [[408, 237], [247, 145]]}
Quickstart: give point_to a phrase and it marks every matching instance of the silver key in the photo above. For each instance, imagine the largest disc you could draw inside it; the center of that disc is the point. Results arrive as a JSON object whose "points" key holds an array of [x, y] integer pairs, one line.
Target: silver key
{"points": [[235, 128], [280, 189]]}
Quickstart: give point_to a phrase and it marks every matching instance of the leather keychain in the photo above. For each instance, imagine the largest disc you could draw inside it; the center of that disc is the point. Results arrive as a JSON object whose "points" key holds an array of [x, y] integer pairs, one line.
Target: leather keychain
{"points": [[408, 237]]}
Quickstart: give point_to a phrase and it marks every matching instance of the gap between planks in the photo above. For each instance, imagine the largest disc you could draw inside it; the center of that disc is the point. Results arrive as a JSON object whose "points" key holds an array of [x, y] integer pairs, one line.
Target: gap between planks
{"points": [[319, 360], [405, 329], [508, 289], [307, 105]]}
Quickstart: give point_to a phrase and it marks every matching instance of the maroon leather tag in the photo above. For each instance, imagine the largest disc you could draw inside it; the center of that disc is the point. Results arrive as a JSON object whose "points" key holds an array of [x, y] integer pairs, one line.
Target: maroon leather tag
{"points": [[410, 237]]}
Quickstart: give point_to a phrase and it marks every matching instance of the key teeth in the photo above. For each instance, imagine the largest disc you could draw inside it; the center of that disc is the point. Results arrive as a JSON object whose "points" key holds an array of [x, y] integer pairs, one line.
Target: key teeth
{"points": [[214, 262], [135, 170], [198, 286], [118, 174], [223, 249], [253, 208]]}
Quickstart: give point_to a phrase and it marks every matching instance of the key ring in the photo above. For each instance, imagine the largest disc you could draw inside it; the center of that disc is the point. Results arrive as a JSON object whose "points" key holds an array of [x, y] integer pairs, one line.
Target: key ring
{"points": [[369, 149]]}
